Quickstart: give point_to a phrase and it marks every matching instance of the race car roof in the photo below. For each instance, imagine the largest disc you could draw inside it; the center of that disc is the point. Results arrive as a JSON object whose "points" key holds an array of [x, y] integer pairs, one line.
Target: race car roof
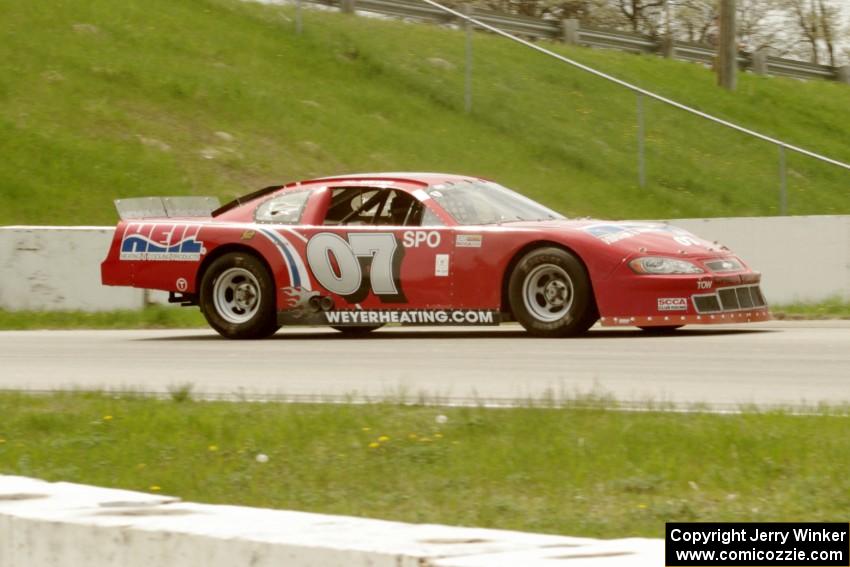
{"points": [[424, 178]]}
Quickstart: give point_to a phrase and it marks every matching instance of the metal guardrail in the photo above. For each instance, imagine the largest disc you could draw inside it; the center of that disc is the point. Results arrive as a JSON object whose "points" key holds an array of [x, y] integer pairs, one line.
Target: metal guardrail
{"points": [[537, 28]]}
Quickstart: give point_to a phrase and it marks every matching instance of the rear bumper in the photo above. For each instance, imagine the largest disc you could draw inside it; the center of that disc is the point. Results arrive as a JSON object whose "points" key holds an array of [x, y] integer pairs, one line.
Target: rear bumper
{"points": [[116, 273]]}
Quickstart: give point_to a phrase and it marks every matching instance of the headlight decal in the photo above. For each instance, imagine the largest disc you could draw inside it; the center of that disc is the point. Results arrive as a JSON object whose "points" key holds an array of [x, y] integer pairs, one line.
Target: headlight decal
{"points": [[724, 265]]}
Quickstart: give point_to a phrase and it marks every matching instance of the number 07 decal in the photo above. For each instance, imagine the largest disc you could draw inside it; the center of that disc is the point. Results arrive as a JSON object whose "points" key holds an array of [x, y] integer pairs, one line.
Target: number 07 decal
{"points": [[351, 268]]}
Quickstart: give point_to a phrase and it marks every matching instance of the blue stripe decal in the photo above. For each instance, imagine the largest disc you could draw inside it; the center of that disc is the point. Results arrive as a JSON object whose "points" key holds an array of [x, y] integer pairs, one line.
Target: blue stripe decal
{"points": [[293, 269]]}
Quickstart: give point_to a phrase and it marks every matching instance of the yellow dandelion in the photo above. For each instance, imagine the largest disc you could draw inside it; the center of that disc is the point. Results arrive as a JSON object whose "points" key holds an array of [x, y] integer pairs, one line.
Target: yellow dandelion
{"points": [[367, 429], [374, 445], [2, 440], [438, 435], [155, 488], [383, 439], [213, 448], [107, 418], [641, 506]]}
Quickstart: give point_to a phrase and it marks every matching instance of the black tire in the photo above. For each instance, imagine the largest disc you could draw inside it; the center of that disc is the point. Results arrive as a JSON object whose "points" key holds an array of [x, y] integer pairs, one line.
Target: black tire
{"points": [[357, 330], [664, 330], [245, 307], [545, 307]]}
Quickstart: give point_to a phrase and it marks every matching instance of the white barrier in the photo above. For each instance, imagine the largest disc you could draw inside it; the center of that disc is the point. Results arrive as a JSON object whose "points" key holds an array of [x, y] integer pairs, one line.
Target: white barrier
{"points": [[43, 268], [46, 268], [68, 525], [801, 258]]}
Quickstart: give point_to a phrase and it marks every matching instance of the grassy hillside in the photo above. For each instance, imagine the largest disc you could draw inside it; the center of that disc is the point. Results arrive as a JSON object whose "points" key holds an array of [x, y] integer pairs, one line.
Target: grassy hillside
{"points": [[102, 99]]}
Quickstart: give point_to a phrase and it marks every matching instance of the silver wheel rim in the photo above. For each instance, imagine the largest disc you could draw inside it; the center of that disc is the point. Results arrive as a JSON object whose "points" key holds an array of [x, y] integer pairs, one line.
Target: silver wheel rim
{"points": [[548, 292], [236, 295]]}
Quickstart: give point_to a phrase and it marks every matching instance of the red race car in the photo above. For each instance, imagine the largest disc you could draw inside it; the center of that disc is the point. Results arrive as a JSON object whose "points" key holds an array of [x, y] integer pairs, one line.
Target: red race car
{"points": [[356, 252]]}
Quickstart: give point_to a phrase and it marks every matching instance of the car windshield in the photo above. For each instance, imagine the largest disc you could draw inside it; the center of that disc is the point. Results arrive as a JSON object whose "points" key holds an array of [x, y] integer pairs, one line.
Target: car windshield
{"points": [[483, 202]]}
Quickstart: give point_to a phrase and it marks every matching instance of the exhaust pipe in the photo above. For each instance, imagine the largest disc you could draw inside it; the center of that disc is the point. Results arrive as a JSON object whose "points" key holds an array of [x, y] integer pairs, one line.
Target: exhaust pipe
{"points": [[326, 303]]}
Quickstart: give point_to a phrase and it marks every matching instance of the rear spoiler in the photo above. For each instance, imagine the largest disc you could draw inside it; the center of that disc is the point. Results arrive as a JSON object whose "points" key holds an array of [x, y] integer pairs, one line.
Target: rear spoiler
{"points": [[165, 207]]}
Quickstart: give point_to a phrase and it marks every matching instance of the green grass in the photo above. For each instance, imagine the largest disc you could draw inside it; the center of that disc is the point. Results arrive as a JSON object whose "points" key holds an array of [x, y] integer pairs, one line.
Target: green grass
{"points": [[102, 99], [588, 472], [835, 308], [154, 317]]}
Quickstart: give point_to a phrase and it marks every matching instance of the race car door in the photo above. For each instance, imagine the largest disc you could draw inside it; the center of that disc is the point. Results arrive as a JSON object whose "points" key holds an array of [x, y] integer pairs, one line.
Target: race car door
{"points": [[379, 249]]}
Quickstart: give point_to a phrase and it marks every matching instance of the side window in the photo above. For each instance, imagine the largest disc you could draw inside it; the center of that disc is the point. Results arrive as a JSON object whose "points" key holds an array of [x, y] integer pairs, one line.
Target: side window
{"points": [[283, 209], [430, 218], [365, 206]]}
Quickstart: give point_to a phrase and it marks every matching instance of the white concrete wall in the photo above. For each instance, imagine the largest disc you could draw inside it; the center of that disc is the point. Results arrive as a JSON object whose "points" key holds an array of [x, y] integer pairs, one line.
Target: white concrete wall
{"points": [[802, 259], [68, 525], [58, 268]]}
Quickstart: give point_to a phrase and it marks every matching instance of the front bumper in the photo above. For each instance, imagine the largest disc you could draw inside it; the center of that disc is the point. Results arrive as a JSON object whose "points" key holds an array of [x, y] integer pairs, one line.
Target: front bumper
{"points": [[685, 300]]}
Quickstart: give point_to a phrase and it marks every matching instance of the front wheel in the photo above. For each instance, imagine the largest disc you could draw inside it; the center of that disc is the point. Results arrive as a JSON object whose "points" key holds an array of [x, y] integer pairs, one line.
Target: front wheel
{"points": [[238, 297], [550, 294]]}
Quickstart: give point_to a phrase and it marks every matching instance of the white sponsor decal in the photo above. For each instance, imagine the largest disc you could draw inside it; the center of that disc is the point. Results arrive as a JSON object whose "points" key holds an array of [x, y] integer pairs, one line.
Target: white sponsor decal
{"points": [[686, 240], [441, 265], [704, 284], [415, 238], [672, 304], [468, 240], [379, 248], [610, 233], [182, 284], [413, 317]]}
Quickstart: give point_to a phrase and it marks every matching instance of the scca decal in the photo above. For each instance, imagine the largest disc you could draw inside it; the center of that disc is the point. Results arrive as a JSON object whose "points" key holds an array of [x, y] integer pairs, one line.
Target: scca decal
{"points": [[672, 304], [367, 261]]}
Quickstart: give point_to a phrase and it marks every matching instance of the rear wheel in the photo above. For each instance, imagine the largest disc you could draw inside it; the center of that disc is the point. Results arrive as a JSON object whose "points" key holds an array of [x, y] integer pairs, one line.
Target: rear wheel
{"points": [[356, 331], [550, 294], [238, 297]]}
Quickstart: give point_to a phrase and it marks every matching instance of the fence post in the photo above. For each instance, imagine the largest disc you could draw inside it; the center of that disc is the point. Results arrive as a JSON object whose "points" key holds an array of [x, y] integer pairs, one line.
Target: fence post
{"points": [[347, 6], [641, 149], [297, 17], [843, 74], [668, 43], [668, 47], [760, 61], [727, 51], [783, 183], [467, 99], [569, 31]]}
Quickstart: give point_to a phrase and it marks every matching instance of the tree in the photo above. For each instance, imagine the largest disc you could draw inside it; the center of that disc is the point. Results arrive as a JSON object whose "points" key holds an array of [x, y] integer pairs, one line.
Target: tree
{"points": [[828, 21], [695, 20], [804, 15], [817, 24], [642, 15], [759, 26]]}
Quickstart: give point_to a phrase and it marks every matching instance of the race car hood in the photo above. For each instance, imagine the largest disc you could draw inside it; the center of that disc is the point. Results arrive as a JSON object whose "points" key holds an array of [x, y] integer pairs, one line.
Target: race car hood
{"points": [[632, 237]]}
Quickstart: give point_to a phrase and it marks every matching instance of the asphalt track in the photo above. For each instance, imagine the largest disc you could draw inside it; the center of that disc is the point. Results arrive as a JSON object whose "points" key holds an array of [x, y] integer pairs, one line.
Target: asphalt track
{"points": [[767, 364]]}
